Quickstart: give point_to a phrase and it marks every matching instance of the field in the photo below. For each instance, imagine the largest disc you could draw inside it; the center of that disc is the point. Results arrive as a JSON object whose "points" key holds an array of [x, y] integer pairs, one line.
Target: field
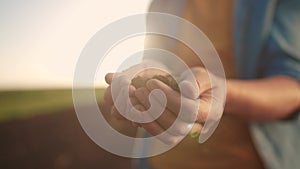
{"points": [[28, 103]]}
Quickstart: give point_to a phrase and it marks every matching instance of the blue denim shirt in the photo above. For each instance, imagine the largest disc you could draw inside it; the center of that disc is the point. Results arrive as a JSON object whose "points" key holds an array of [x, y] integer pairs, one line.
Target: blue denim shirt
{"points": [[267, 42]]}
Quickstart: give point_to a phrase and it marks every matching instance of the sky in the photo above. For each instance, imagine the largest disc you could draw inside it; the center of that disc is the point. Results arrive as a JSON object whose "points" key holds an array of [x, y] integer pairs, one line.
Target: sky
{"points": [[40, 40]]}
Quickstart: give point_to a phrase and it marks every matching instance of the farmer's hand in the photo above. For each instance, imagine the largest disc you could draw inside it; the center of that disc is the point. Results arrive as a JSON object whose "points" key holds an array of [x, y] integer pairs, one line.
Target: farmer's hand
{"points": [[193, 93], [119, 93]]}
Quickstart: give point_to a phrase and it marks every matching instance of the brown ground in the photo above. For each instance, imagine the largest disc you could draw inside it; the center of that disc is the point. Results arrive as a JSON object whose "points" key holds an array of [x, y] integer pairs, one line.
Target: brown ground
{"points": [[53, 141]]}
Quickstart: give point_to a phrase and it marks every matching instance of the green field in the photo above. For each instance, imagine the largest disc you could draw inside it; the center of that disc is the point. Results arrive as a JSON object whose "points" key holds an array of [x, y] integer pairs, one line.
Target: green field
{"points": [[27, 103]]}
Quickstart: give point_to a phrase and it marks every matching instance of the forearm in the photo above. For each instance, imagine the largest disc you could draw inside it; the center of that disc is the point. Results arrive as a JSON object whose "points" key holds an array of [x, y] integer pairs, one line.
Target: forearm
{"points": [[265, 99]]}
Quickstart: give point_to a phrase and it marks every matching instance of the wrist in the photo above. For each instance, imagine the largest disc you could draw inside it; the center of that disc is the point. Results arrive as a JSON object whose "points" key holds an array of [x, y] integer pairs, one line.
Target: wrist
{"points": [[230, 96]]}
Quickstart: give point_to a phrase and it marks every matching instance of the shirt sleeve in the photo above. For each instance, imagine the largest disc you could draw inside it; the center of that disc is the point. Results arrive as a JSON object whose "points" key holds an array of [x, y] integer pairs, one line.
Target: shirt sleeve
{"points": [[282, 52]]}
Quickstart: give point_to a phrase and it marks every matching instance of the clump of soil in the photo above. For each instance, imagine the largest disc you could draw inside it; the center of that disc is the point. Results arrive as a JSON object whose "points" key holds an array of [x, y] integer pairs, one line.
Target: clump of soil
{"points": [[139, 81]]}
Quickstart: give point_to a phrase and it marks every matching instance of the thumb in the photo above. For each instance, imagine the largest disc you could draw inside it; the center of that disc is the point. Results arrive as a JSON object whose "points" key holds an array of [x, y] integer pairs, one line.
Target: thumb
{"points": [[109, 77]]}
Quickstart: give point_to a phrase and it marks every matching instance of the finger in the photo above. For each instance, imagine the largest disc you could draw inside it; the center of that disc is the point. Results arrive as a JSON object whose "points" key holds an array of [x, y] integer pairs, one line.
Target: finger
{"points": [[123, 102], [197, 77], [134, 101], [115, 113], [202, 79], [152, 127], [166, 119], [189, 107], [131, 91], [142, 95], [173, 97], [154, 107], [119, 82], [109, 77], [134, 124], [204, 109], [207, 96], [156, 130], [212, 121], [107, 96], [189, 89], [196, 130]]}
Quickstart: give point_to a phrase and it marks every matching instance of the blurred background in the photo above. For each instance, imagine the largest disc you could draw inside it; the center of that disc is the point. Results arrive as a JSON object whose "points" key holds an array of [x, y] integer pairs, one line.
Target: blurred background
{"points": [[39, 46]]}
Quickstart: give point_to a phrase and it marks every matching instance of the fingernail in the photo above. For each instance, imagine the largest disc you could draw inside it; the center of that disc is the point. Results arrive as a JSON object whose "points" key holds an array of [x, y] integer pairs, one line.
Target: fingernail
{"points": [[195, 134]]}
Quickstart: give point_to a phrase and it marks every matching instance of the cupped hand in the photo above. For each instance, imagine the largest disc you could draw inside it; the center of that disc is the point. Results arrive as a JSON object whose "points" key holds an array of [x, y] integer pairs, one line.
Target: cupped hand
{"points": [[191, 105], [115, 93]]}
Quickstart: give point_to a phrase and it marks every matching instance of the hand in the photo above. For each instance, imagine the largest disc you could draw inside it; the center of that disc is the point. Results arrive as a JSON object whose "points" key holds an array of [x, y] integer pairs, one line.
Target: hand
{"points": [[193, 93], [121, 81]]}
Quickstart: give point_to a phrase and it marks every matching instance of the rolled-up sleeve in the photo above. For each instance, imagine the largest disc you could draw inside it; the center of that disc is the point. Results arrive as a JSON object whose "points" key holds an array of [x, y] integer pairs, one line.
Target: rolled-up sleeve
{"points": [[282, 52]]}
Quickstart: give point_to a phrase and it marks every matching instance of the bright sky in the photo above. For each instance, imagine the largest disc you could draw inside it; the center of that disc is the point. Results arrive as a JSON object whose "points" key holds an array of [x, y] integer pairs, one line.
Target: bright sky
{"points": [[40, 41]]}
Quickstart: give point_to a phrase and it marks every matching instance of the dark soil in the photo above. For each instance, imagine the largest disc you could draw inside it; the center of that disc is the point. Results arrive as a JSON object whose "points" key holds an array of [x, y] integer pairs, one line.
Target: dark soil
{"points": [[53, 141], [140, 81]]}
